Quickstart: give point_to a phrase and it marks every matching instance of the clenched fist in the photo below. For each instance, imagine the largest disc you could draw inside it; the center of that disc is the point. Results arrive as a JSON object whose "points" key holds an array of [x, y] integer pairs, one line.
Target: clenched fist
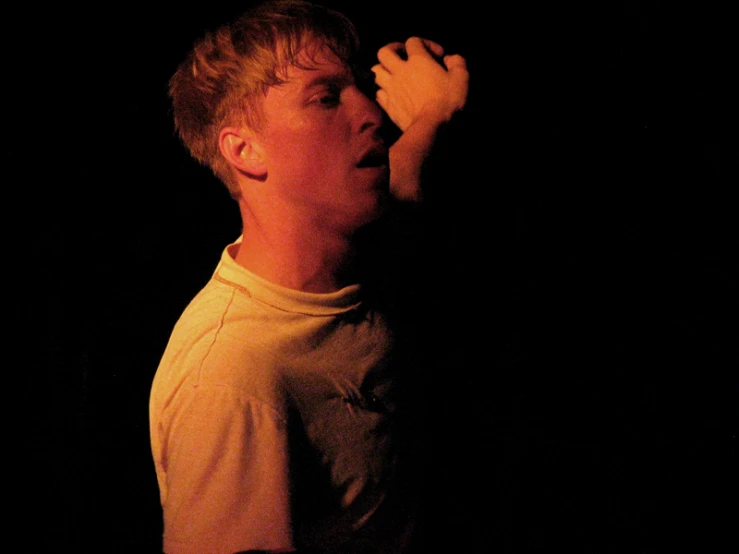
{"points": [[416, 80]]}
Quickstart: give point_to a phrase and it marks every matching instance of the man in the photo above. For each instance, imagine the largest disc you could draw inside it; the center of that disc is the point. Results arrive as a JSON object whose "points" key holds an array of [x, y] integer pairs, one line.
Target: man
{"points": [[279, 412]]}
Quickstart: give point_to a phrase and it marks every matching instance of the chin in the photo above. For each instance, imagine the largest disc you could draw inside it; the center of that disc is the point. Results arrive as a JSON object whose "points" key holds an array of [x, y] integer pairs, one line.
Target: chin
{"points": [[374, 209], [382, 183]]}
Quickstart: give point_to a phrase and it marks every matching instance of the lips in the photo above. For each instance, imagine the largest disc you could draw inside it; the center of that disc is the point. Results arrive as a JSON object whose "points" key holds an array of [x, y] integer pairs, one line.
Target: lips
{"points": [[376, 156]]}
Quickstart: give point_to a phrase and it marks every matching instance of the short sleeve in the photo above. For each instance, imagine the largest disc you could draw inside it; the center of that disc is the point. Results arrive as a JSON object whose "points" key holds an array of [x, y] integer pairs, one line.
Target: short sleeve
{"points": [[225, 459]]}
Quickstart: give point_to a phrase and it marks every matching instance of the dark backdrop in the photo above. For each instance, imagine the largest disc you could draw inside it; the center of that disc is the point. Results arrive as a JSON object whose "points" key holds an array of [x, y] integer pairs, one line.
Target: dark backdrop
{"points": [[580, 293]]}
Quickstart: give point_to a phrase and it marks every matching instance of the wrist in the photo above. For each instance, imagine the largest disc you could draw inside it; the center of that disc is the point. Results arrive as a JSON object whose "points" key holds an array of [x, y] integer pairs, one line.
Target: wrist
{"points": [[437, 115]]}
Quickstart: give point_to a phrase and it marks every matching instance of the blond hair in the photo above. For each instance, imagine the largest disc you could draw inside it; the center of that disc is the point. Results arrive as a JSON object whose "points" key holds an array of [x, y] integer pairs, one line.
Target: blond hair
{"points": [[226, 74]]}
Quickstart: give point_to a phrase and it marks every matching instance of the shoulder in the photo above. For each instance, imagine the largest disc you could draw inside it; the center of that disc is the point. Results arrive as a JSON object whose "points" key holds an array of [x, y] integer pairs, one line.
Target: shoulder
{"points": [[216, 344]]}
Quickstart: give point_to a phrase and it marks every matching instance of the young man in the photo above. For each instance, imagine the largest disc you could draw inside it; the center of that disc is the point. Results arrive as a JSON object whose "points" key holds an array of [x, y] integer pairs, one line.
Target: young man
{"points": [[279, 413]]}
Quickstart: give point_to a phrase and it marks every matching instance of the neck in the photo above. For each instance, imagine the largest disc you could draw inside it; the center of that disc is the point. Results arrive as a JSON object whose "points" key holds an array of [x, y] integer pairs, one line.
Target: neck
{"points": [[297, 255]]}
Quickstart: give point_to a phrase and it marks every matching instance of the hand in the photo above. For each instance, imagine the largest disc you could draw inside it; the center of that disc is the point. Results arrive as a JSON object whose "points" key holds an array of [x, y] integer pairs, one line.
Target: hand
{"points": [[417, 80]]}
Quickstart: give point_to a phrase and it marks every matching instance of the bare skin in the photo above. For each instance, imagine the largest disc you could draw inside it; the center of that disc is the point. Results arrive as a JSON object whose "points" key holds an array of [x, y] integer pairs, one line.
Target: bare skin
{"points": [[420, 89], [318, 171]]}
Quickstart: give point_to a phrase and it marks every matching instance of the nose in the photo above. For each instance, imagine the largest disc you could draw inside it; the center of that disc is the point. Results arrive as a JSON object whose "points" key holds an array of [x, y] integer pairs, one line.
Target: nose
{"points": [[366, 114]]}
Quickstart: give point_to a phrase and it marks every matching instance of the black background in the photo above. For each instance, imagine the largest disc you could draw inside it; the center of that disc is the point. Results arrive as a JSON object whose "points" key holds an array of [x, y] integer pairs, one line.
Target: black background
{"points": [[581, 292]]}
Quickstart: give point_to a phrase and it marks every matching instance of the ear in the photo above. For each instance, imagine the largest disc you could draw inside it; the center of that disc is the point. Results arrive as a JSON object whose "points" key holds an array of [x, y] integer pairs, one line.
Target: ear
{"points": [[241, 149]]}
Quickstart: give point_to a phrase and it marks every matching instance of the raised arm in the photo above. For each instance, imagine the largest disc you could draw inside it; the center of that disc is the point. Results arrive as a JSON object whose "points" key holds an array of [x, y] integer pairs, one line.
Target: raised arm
{"points": [[420, 89]]}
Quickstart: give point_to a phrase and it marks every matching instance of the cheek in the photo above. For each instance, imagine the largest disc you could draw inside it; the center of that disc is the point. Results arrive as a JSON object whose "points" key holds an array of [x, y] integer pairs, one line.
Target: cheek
{"points": [[301, 148], [289, 151], [313, 153]]}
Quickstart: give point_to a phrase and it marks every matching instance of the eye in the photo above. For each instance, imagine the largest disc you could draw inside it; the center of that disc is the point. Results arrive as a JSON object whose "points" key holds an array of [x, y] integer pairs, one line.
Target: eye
{"points": [[329, 98]]}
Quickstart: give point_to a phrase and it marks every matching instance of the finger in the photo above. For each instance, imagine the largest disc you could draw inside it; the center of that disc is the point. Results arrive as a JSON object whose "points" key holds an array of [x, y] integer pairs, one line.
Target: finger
{"points": [[457, 67], [390, 55], [435, 48], [384, 102], [459, 78], [394, 46], [455, 61], [415, 46], [382, 76], [382, 98]]}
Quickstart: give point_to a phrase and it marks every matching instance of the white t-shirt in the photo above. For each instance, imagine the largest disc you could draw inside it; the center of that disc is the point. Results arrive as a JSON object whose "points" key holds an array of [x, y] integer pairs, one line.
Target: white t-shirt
{"points": [[274, 422]]}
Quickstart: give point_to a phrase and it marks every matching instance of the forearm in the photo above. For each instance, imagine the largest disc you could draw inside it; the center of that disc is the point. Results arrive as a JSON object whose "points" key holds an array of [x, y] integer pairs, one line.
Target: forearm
{"points": [[408, 158], [421, 90]]}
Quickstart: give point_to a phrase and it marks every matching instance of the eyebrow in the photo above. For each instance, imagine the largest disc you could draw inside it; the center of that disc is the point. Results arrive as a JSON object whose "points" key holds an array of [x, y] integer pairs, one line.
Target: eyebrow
{"points": [[339, 79]]}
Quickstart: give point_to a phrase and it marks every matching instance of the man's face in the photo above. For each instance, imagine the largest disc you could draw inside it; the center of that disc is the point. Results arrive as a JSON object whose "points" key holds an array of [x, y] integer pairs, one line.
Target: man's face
{"points": [[321, 144]]}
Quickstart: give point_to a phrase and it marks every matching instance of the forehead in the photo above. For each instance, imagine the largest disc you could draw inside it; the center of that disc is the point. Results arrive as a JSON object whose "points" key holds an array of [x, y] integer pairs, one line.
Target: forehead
{"points": [[311, 70], [313, 57]]}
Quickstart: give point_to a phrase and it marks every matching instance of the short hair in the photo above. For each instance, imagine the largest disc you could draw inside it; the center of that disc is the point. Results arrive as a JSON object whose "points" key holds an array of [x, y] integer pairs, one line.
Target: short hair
{"points": [[227, 73]]}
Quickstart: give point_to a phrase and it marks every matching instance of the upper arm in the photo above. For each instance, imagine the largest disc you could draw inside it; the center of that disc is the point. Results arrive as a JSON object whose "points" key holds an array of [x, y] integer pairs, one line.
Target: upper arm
{"points": [[226, 464]]}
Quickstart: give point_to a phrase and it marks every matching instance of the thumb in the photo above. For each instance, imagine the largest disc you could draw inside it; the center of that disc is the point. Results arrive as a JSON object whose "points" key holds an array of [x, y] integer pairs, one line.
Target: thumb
{"points": [[459, 77]]}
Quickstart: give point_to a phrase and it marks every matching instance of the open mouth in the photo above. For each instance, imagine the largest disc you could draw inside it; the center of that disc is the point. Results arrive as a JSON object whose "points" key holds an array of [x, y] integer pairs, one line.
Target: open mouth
{"points": [[377, 157]]}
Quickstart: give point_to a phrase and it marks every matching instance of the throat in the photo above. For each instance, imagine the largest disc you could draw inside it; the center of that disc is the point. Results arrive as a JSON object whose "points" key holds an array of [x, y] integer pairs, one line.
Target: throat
{"points": [[307, 266]]}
